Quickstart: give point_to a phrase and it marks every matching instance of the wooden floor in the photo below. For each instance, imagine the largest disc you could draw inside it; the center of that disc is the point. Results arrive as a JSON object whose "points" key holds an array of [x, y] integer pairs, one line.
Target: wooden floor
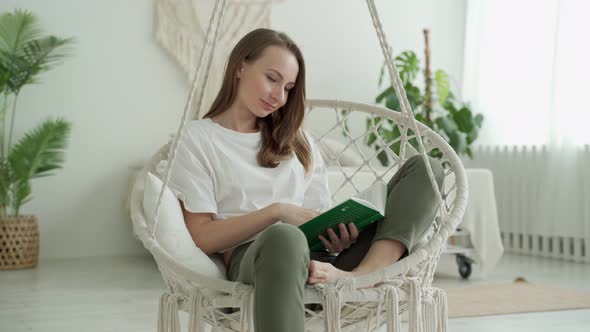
{"points": [[121, 294]]}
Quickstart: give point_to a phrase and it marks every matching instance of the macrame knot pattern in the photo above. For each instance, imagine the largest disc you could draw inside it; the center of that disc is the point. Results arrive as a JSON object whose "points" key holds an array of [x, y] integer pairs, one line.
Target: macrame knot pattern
{"points": [[332, 296]]}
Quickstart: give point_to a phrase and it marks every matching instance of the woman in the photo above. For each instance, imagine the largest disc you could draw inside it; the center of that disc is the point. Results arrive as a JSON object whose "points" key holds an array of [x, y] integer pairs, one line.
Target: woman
{"points": [[247, 175]]}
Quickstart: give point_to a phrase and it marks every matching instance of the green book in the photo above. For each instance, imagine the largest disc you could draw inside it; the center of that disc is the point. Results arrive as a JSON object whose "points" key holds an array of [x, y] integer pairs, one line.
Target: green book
{"points": [[363, 209]]}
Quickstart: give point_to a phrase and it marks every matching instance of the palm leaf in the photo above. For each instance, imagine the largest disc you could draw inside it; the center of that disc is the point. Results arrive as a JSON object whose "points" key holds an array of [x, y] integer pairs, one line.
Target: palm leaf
{"points": [[41, 150], [47, 52], [38, 56], [35, 155], [17, 29], [21, 194]]}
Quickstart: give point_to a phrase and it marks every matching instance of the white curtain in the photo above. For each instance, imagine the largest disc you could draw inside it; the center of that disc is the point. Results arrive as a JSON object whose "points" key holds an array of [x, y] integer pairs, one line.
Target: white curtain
{"points": [[527, 71]]}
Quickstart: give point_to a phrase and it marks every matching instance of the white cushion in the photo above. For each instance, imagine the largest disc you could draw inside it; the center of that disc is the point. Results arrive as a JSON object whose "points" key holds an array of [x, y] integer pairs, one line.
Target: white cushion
{"points": [[172, 234]]}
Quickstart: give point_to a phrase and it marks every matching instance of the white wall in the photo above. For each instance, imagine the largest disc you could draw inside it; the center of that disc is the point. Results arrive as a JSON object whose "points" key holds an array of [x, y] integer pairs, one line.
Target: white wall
{"points": [[124, 95]]}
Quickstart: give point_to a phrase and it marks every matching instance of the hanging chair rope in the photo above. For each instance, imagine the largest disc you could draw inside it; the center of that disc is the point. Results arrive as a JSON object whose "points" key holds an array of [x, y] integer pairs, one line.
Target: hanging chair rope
{"points": [[207, 55], [405, 104]]}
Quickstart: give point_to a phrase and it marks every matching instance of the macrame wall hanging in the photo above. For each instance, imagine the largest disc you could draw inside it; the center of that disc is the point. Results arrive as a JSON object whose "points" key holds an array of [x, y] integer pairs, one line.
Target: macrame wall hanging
{"points": [[181, 29]]}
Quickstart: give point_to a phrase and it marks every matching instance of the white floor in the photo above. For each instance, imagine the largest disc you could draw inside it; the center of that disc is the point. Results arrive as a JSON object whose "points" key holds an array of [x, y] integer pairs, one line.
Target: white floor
{"points": [[121, 294]]}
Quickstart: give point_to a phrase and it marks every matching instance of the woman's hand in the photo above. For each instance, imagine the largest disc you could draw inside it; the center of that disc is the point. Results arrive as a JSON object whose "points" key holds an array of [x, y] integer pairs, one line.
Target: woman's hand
{"points": [[347, 238], [293, 214]]}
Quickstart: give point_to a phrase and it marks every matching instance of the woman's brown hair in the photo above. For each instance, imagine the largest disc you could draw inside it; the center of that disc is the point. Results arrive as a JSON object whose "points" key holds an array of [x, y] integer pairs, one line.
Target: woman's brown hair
{"points": [[281, 131]]}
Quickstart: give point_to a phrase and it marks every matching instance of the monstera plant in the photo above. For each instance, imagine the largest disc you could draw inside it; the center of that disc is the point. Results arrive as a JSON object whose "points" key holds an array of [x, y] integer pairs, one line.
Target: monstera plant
{"points": [[433, 104], [24, 55]]}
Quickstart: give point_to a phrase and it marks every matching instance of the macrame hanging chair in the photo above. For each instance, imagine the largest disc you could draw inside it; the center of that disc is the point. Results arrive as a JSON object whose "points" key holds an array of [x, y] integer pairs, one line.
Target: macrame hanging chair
{"points": [[197, 284]]}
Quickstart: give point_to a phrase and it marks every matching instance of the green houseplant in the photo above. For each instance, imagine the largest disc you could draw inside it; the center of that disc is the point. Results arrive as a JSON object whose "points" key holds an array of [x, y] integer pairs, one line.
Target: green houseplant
{"points": [[24, 55], [441, 110]]}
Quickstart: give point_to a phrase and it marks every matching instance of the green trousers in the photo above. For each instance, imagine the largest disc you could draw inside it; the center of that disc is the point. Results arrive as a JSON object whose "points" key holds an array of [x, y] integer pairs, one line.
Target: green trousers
{"points": [[277, 262]]}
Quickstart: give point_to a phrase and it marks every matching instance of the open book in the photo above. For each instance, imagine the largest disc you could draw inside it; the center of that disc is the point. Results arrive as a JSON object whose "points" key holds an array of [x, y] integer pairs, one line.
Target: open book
{"points": [[362, 209]]}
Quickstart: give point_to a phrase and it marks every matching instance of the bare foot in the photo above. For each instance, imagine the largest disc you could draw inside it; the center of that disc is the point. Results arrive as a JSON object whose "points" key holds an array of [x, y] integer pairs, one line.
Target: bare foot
{"points": [[320, 272]]}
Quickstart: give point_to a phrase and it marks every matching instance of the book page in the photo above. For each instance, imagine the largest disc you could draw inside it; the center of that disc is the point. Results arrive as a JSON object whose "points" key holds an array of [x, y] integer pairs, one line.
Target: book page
{"points": [[374, 197], [365, 203]]}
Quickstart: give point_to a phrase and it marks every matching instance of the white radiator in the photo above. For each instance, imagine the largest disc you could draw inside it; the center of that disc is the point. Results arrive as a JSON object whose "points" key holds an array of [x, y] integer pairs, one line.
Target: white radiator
{"points": [[543, 199]]}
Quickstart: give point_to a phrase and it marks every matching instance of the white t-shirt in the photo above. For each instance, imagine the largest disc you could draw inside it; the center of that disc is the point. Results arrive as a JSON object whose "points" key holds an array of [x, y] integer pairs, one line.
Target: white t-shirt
{"points": [[216, 171]]}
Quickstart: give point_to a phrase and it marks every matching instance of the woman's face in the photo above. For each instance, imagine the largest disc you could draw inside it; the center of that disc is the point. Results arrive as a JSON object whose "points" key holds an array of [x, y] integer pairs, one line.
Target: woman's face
{"points": [[265, 83]]}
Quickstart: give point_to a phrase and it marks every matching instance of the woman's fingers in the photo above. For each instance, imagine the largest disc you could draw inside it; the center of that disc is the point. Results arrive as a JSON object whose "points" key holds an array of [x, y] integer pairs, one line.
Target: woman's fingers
{"points": [[354, 232], [347, 237], [344, 236], [333, 237], [336, 243], [326, 243]]}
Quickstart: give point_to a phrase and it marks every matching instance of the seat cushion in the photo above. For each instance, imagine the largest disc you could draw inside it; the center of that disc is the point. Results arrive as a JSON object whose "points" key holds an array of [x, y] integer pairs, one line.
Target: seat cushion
{"points": [[171, 231]]}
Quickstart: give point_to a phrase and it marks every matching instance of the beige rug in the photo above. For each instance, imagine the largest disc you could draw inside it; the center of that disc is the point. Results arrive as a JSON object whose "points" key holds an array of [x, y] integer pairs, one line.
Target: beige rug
{"points": [[518, 297]]}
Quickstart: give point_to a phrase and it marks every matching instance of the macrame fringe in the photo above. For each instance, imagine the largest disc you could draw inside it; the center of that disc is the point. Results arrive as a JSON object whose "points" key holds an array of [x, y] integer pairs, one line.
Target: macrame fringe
{"points": [[168, 320], [415, 305], [247, 312], [442, 310], [196, 313], [429, 311], [392, 310], [332, 301], [332, 306]]}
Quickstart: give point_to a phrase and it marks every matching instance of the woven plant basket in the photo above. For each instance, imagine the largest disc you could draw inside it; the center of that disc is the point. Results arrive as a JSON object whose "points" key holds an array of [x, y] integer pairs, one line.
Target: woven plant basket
{"points": [[19, 242]]}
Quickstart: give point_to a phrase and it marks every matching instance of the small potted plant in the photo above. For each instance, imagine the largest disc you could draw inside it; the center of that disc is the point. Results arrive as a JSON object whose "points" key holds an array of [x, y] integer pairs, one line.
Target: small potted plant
{"points": [[24, 55], [442, 111]]}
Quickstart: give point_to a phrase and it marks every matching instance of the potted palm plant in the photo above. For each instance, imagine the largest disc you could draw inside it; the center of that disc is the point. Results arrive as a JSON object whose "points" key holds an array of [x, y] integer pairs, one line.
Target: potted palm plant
{"points": [[24, 55]]}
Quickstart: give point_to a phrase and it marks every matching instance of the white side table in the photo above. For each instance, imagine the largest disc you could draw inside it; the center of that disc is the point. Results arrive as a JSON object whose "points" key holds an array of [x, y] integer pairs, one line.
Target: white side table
{"points": [[480, 222]]}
